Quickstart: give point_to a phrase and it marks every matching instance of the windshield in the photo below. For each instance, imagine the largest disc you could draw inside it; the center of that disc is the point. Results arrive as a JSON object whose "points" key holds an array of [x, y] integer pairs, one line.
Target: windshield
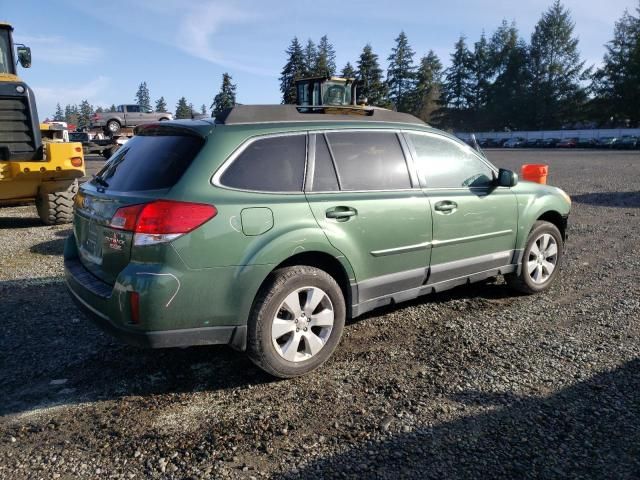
{"points": [[6, 62]]}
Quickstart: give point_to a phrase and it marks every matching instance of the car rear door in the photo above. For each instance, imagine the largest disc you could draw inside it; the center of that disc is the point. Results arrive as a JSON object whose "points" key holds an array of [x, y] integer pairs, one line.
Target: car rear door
{"points": [[363, 196], [474, 222]]}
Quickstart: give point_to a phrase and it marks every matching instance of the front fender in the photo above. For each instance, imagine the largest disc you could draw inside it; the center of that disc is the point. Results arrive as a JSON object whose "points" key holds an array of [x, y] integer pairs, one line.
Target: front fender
{"points": [[534, 200]]}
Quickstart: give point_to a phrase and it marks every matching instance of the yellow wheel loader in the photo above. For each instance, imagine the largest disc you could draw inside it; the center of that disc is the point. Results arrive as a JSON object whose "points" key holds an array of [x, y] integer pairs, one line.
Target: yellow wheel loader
{"points": [[30, 169]]}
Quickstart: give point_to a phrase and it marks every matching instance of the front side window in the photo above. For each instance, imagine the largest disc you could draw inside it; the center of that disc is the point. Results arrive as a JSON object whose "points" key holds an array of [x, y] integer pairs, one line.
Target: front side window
{"points": [[6, 65], [443, 163], [272, 164], [369, 160]]}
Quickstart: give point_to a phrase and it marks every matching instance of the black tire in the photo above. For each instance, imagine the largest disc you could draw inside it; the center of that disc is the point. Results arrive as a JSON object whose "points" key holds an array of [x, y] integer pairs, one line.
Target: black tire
{"points": [[112, 127], [522, 281], [56, 208], [164, 119], [260, 346]]}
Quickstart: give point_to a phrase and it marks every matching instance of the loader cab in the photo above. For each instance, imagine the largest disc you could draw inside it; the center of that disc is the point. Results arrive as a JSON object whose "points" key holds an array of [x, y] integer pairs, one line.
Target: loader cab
{"points": [[326, 91]]}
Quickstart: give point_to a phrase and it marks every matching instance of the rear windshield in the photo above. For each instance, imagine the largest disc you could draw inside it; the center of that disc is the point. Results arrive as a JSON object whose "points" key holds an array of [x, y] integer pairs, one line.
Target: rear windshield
{"points": [[149, 163]]}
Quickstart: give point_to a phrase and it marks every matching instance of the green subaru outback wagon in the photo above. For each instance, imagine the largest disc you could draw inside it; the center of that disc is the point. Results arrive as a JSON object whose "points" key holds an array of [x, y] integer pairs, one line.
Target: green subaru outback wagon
{"points": [[268, 227]]}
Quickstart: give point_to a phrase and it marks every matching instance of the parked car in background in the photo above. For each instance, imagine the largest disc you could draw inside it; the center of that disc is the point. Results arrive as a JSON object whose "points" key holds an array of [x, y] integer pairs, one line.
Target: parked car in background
{"points": [[550, 142], [515, 142], [568, 143], [533, 143], [269, 228], [126, 116], [607, 142], [587, 143], [627, 142]]}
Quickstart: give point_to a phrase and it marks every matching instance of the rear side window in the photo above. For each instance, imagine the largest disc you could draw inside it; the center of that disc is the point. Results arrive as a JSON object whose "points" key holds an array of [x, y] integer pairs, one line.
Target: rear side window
{"points": [[273, 164], [150, 162], [443, 163], [369, 160]]}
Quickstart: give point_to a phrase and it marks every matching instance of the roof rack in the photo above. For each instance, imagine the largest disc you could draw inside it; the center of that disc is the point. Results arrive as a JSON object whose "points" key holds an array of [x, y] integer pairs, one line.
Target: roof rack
{"points": [[256, 114]]}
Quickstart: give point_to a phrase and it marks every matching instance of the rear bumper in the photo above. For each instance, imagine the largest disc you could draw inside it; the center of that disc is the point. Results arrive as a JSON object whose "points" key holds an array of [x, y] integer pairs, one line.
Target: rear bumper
{"points": [[96, 299]]}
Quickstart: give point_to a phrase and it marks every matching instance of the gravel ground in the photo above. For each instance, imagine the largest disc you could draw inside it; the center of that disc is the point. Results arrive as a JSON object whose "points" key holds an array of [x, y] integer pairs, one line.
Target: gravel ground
{"points": [[475, 382]]}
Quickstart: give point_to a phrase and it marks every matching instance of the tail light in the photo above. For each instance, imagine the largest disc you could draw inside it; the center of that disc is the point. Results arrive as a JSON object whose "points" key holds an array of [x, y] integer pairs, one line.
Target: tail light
{"points": [[161, 220], [76, 161]]}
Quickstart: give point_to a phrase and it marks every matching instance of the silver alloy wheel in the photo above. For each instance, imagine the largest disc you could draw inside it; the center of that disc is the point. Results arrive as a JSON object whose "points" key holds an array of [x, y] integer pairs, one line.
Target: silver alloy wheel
{"points": [[303, 323], [543, 258], [113, 127]]}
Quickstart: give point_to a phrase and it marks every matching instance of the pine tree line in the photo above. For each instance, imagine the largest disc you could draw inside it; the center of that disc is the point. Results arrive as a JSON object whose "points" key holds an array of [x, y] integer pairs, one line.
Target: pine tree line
{"points": [[500, 82], [80, 115]]}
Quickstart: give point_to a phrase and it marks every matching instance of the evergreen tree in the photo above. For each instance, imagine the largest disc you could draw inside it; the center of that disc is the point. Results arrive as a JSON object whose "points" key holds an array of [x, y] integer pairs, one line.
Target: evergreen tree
{"points": [[508, 94], [457, 88], [112, 108], [371, 85], [310, 58], [481, 74], [99, 110], [617, 82], [182, 109], [59, 115], [226, 98], [556, 69], [325, 59], [161, 105], [203, 109], [71, 115], [428, 87], [143, 98], [292, 71], [401, 74], [348, 71], [84, 118]]}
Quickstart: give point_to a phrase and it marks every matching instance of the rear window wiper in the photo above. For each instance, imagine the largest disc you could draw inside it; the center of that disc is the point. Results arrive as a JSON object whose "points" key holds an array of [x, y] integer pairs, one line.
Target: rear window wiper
{"points": [[100, 181]]}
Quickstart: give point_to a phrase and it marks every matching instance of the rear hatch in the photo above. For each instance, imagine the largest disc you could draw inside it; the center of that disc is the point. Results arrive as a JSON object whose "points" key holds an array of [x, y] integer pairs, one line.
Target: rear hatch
{"points": [[143, 170]]}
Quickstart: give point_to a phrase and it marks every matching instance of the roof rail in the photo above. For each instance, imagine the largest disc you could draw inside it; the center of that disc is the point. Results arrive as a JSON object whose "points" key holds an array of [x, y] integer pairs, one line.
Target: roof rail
{"points": [[257, 114]]}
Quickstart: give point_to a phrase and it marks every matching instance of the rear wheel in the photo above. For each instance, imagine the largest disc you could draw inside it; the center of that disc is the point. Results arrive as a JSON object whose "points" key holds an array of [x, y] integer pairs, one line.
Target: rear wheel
{"points": [[296, 321], [540, 260], [113, 127], [56, 208]]}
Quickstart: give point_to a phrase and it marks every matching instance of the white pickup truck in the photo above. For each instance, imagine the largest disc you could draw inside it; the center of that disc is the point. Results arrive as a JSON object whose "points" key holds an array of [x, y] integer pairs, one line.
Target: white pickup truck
{"points": [[126, 116]]}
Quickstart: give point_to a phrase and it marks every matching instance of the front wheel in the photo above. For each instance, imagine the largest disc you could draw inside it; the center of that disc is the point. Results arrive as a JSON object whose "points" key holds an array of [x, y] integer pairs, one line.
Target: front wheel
{"points": [[540, 260], [296, 321]]}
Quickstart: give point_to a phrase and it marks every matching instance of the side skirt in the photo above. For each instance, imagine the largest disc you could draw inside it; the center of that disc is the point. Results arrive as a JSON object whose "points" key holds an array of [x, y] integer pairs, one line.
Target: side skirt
{"points": [[438, 286]]}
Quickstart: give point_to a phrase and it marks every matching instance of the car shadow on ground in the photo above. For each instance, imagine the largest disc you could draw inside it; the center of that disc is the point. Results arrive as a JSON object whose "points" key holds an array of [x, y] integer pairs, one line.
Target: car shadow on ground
{"points": [[7, 223], [52, 247], [609, 199], [50, 354], [588, 430]]}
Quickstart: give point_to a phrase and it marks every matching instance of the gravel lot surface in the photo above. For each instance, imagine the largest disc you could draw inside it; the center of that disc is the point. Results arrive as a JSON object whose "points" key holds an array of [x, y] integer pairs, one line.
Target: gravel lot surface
{"points": [[474, 383]]}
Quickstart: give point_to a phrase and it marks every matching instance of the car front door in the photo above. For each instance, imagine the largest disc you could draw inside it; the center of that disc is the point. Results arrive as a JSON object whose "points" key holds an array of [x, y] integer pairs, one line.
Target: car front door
{"points": [[474, 222], [134, 115], [362, 194]]}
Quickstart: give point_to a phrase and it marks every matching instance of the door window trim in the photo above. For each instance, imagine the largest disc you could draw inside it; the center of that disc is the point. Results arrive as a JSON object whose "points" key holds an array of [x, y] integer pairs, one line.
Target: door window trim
{"points": [[215, 178], [408, 160], [414, 156]]}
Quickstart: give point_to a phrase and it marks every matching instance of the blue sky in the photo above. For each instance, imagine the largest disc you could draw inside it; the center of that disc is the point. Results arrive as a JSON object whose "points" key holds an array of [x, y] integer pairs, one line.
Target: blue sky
{"points": [[101, 51]]}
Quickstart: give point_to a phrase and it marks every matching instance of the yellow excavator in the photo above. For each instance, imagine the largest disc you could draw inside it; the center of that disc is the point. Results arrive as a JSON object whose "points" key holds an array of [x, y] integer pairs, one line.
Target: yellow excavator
{"points": [[30, 169]]}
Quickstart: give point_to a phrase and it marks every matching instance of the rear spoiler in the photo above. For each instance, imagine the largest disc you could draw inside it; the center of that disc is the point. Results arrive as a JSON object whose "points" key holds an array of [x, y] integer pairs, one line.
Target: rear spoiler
{"points": [[157, 129]]}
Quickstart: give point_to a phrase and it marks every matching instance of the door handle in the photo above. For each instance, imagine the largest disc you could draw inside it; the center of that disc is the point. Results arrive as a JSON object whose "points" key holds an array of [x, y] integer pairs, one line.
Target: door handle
{"points": [[341, 213], [446, 206]]}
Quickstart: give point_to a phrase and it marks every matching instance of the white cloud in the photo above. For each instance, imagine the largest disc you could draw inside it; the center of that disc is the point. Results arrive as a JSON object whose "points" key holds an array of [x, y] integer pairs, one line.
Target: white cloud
{"points": [[48, 97], [59, 51]]}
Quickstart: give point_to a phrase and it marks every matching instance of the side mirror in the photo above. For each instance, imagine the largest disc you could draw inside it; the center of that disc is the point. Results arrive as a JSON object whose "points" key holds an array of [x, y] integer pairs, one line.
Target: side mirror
{"points": [[506, 178], [24, 56]]}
